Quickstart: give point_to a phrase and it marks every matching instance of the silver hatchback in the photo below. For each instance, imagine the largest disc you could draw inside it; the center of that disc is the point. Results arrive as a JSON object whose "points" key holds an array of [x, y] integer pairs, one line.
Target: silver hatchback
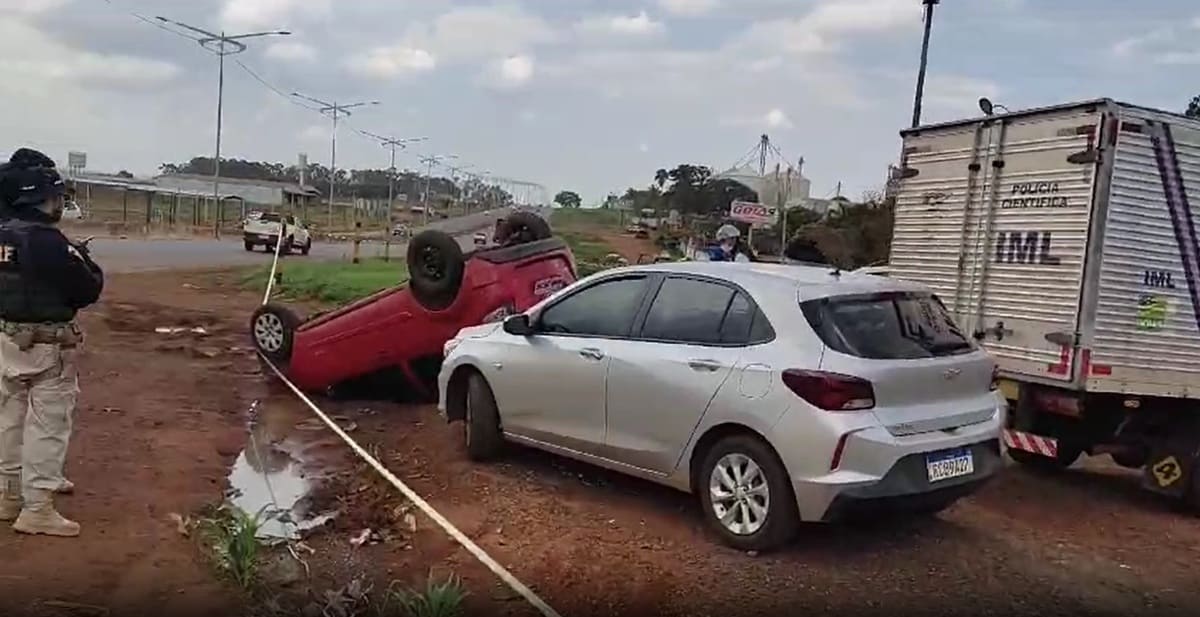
{"points": [[776, 394]]}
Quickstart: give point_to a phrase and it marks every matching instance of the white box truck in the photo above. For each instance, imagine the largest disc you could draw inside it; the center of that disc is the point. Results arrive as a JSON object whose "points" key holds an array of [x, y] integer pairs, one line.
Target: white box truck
{"points": [[1065, 240]]}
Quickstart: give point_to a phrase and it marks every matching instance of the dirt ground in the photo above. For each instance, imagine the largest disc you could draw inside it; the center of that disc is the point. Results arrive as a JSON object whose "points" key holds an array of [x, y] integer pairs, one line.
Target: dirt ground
{"points": [[162, 422]]}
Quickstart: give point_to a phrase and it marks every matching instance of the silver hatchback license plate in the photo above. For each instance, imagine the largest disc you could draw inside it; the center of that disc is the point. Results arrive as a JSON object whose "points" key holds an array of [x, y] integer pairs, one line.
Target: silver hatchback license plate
{"points": [[949, 464]]}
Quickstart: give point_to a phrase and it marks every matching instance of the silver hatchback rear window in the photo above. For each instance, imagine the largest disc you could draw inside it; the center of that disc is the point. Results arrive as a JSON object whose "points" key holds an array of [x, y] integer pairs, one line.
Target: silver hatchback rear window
{"points": [[887, 326]]}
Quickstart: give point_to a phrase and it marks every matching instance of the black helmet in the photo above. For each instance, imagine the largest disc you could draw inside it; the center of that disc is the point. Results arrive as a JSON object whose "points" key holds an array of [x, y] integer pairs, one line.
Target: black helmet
{"points": [[29, 179]]}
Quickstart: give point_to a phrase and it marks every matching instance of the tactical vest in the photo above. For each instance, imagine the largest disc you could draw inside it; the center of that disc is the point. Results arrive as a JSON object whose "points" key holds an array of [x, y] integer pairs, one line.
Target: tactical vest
{"points": [[25, 298]]}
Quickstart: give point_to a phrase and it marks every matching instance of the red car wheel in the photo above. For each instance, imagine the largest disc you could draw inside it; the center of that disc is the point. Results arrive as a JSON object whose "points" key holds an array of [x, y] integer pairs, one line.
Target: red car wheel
{"points": [[272, 327], [435, 268]]}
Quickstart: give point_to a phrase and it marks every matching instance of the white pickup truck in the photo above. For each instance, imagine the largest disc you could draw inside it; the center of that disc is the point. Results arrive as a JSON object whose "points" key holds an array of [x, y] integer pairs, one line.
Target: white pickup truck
{"points": [[263, 230]]}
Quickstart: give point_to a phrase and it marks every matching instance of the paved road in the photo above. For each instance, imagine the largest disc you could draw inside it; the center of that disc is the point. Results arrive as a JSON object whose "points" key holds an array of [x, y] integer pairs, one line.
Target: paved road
{"points": [[138, 255]]}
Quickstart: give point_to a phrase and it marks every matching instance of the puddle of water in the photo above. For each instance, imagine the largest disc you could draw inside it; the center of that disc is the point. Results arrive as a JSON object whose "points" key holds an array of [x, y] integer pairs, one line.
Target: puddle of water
{"points": [[271, 475]]}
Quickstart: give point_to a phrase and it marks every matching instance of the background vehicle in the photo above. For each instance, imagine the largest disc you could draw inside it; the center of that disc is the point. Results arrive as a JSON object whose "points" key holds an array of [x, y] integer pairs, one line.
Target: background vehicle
{"points": [[263, 230], [480, 238], [774, 393], [72, 211], [1063, 238], [400, 230], [404, 328]]}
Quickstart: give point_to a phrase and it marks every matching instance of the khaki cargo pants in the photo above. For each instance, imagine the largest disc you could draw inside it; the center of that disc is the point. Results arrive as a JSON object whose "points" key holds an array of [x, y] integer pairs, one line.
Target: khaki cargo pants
{"points": [[38, 390]]}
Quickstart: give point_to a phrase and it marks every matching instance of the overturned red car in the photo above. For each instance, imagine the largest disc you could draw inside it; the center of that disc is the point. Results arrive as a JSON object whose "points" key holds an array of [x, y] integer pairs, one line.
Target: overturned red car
{"points": [[398, 333]]}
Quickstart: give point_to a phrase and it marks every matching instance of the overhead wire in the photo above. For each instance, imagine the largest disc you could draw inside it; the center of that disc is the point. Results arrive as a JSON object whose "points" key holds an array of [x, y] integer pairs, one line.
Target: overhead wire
{"points": [[441, 165]]}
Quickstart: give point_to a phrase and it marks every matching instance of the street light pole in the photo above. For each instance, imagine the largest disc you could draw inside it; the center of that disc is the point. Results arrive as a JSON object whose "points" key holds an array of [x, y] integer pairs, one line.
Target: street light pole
{"points": [[335, 111], [429, 182], [222, 45], [916, 118], [392, 143]]}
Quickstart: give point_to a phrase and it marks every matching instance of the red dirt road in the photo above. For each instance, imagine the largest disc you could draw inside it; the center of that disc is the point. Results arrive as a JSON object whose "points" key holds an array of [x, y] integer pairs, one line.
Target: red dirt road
{"points": [[162, 419]]}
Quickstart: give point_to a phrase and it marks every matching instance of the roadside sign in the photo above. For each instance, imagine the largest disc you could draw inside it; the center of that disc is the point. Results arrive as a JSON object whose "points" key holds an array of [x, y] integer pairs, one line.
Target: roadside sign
{"points": [[752, 213]]}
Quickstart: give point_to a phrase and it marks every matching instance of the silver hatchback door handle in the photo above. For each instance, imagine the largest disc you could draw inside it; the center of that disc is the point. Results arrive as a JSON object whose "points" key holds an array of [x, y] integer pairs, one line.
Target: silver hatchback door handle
{"points": [[591, 353], [704, 365]]}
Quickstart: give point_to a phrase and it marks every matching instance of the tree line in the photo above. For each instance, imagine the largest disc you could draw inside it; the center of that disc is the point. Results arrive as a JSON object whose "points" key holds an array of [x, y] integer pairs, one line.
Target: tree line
{"points": [[850, 235], [364, 183]]}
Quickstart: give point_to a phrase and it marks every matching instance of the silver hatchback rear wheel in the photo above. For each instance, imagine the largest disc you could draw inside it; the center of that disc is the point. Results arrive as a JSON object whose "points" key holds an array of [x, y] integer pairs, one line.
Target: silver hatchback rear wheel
{"points": [[740, 495], [746, 494]]}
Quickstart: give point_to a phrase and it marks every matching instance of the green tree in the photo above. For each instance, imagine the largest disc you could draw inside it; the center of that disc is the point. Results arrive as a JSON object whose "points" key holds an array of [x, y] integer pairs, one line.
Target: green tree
{"points": [[568, 199]]}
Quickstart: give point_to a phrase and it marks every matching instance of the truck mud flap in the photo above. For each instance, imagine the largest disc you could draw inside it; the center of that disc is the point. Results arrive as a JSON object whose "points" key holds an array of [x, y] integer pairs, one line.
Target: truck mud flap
{"points": [[1028, 442], [1172, 462]]}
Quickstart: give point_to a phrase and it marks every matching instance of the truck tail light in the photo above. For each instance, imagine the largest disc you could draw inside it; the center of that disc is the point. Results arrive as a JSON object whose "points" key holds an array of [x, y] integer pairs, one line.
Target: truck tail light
{"points": [[830, 391]]}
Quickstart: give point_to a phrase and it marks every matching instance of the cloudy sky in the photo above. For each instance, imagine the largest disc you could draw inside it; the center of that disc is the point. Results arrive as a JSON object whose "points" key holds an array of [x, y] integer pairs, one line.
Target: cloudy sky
{"points": [[591, 95]]}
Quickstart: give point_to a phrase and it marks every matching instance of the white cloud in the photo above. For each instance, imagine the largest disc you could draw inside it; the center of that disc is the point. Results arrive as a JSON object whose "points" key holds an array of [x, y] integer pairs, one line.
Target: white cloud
{"points": [[246, 14], [643, 148], [635, 25], [392, 62], [315, 133], [1129, 46], [474, 33], [292, 52], [830, 24], [1178, 58], [774, 118], [777, 119], [513, 71], [29, 7], [688, 7], [55, 65], [956, 96]]}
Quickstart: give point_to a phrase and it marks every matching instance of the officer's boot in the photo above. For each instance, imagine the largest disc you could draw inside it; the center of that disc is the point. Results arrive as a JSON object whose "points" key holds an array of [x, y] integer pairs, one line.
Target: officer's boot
{"points": [[10, 498], [39, 517]]}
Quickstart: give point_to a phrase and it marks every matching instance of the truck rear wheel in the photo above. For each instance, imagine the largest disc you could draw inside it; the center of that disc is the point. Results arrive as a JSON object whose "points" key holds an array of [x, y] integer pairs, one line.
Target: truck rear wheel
{"points": [[435, 268]]}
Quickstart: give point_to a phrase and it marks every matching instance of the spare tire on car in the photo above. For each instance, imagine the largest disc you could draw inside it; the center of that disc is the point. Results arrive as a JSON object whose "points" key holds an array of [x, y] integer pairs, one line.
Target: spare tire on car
{"points": [[524, 227], [435, 269]]}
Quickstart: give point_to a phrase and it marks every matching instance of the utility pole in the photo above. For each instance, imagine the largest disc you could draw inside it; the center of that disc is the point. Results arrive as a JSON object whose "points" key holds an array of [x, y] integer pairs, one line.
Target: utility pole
{"points": [[458, 171], [920, 94], [222, 45], [430, 160], [392, 143], [333, 110]]}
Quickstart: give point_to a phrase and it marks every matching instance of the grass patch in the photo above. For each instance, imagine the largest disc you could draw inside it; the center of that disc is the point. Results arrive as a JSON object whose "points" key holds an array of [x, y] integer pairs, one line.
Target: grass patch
{"points": [[232, 537], [331, 281], [438, 599], [566, 217], [590, 250]]}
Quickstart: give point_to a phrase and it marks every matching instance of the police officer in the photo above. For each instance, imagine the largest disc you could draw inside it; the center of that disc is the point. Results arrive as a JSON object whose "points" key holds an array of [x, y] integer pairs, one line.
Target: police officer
{"points": [[44, 281], [729, 246]]}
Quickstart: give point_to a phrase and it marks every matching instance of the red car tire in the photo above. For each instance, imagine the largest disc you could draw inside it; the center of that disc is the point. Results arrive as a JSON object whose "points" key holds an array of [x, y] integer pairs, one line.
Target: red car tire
{"points": [[522, 227], [272, 328], [435, 268]]}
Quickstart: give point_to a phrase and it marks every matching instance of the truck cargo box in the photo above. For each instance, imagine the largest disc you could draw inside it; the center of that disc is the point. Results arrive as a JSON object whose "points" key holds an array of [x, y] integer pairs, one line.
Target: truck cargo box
{"points": [[1064, 239]]}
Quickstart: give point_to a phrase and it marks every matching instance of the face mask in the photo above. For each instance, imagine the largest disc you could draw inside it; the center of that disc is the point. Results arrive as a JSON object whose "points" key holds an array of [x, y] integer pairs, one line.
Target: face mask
{"points": [[53, 209]]}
